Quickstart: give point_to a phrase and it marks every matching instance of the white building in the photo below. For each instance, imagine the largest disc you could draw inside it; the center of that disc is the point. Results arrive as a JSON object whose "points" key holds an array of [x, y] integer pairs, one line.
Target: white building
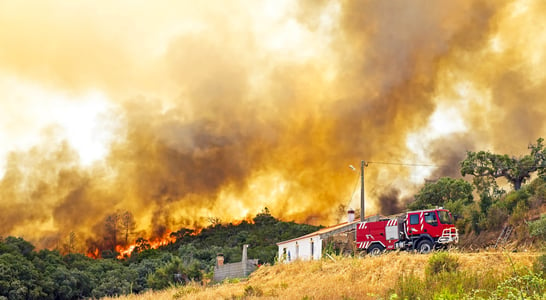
{"points": [[310, 246]]}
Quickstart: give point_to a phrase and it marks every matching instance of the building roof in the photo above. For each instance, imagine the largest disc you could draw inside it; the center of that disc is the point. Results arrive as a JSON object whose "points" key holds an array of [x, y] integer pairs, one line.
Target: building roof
{"points": [[325, 232], [345, 226], [342, 226]]}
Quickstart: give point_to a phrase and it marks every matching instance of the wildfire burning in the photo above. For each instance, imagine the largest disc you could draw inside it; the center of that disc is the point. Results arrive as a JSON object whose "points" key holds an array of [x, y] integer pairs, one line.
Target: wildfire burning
{"points": [[199, 113], [126, 251], [94, 254]]}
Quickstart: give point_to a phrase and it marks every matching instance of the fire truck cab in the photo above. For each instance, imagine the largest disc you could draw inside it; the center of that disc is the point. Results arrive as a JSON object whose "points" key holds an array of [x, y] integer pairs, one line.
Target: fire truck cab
{"points": [[422, 230]]}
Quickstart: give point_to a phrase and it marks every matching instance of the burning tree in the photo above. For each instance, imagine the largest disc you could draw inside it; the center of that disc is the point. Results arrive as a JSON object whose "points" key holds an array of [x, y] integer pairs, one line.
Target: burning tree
{"points": [[70, 245], [116, 224], [128, 224], [111, 231]]}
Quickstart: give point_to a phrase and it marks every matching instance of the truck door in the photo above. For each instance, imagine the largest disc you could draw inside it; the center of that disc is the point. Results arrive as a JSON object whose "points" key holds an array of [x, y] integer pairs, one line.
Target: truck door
{"points": [[424, 222], [431, 224], [414, 224]]}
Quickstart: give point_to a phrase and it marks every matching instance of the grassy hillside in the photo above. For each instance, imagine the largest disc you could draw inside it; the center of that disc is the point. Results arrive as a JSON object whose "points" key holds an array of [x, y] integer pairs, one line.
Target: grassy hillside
{"points": [[393, 275]]}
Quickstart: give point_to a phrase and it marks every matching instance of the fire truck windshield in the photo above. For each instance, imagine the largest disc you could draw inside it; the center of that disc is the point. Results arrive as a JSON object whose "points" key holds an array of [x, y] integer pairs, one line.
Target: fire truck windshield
{"points": [[445, 217]]}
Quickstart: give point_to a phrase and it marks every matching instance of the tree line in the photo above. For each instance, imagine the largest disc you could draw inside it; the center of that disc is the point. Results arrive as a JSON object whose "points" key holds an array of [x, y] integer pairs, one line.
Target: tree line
{"points": [[49, 274], [495, 206]]}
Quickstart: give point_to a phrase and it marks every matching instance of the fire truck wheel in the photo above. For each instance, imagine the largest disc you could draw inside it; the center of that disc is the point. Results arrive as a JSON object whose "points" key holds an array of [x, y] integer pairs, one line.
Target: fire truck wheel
{"points": [[424, 247], [375, 250]]}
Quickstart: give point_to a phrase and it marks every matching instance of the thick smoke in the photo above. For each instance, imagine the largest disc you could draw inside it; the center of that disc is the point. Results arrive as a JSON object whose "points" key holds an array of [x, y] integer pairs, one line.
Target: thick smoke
{"points": [[389, 202], [219, 121]]}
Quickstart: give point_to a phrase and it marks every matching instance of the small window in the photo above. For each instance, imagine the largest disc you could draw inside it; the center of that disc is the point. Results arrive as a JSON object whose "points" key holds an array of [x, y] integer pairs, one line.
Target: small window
{"points": [[414, 219], [445, 217], [431, 219]]}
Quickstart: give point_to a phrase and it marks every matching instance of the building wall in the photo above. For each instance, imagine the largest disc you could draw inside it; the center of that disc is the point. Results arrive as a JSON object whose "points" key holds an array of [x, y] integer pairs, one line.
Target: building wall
{"points": [[300, 249], [234, 270]]}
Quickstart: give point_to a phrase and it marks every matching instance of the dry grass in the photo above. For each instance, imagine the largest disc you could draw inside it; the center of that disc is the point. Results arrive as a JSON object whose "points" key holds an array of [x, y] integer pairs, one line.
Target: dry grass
{"points": [[345, 278]]}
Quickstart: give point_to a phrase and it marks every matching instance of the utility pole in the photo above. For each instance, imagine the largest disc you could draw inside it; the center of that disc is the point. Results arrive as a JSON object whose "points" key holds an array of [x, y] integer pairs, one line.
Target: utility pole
{"points": [[362, 191]]}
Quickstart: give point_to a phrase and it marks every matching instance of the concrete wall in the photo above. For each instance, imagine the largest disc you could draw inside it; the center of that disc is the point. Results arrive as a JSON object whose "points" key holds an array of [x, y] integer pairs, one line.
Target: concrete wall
{"points": [[234, 270]]}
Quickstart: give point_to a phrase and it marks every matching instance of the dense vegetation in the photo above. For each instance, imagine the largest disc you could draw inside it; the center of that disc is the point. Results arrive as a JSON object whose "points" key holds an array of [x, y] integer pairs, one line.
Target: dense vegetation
{"points": [[444, 279], [47, 274], [494, 209], [496, 206]]}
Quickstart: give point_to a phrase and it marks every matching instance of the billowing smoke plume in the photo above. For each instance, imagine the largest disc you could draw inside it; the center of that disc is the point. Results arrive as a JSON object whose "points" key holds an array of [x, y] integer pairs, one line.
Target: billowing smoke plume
{"points": [[219, 113]]}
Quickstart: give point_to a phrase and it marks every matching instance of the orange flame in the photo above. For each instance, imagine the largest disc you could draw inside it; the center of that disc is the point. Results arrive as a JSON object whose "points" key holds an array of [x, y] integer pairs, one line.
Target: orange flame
{"points": [[93, 254], [126, 251]]}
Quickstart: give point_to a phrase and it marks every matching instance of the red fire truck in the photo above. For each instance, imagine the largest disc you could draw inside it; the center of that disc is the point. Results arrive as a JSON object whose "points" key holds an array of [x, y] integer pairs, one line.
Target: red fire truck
{"points": [[422, 230]]}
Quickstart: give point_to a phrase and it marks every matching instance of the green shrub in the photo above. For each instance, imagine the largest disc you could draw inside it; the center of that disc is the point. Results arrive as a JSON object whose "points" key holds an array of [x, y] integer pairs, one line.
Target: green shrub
{"points": [[537, 188], [476, 221], [456, 285], [511, 200], [496, 217], [519, 213], [442, 262], [446, 294], [409, 286], [539, 266], [538, 228], [174, 272], [528, 286]]}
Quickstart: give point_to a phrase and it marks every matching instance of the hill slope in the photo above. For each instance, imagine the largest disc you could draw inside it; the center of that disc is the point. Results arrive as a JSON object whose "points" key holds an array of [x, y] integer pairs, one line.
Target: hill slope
{"points": [[365, 278]]}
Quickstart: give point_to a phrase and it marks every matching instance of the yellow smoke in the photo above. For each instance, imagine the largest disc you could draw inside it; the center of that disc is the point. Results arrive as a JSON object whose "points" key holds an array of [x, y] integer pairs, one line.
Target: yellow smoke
{"points": [[217, 110]]}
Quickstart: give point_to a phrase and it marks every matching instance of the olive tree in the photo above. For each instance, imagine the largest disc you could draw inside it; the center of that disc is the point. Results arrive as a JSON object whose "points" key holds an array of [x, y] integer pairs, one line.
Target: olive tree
{"points": [[442, 192], [517, 170]]}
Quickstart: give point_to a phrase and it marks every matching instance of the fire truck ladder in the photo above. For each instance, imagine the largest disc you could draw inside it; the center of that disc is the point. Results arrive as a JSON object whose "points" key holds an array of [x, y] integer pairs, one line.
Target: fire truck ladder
{"points": [[504, 235]]}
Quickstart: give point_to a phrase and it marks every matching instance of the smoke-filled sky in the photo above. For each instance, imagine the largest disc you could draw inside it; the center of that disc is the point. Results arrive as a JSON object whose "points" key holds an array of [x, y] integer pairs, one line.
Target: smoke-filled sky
{"points": [[183, 111]]}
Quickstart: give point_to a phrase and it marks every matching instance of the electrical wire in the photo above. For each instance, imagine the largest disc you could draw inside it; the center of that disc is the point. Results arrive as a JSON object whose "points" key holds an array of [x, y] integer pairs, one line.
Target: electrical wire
{"points": [[403, 164], [388, 163]]}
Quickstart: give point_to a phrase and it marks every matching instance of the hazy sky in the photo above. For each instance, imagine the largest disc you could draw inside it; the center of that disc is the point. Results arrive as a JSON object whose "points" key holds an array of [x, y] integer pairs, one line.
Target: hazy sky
{"points": [[181, 111]]}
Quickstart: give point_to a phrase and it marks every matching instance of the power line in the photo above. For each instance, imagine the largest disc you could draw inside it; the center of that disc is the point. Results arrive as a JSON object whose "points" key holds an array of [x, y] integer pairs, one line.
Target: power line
{"points": [[403, 164], [389, 163]]}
